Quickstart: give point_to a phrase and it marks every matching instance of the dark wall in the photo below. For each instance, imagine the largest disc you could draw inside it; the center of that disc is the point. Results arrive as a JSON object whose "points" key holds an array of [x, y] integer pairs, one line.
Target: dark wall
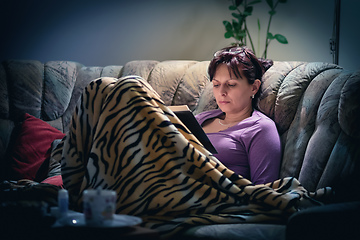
{"points": [[106, 32]]}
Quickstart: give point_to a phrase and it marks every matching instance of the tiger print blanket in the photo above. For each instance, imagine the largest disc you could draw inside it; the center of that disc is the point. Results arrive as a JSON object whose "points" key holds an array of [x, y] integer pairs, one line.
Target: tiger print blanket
{"points": [[124, 138]]}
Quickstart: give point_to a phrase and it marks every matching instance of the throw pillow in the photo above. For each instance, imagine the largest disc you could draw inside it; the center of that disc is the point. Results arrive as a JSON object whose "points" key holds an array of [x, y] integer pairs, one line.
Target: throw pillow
{"points": [[54, 180], [31, 148]]}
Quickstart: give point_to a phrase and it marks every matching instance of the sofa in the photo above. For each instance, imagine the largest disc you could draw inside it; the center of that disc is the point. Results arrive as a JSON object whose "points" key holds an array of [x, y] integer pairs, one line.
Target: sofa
{"points": [[315, 105]]}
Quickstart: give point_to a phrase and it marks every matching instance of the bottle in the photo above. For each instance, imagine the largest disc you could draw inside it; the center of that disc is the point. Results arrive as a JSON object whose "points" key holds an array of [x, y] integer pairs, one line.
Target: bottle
{"points": [[63, 202]]}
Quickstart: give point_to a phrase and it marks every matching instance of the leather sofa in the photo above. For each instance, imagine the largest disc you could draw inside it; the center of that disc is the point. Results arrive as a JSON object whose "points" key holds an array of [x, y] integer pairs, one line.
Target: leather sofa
{"points": [[316, 107]]}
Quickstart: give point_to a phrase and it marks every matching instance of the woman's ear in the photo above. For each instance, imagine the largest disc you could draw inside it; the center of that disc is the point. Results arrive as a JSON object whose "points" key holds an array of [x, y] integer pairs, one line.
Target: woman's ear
{"points": [[256, 86]]}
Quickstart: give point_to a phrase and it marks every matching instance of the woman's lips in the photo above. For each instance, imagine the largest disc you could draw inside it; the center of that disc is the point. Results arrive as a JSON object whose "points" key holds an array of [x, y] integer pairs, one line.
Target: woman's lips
{"points": [[223, 102]]}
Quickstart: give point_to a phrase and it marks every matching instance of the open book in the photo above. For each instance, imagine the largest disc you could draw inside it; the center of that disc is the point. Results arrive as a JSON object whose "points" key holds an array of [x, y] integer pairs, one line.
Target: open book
{"points": [[187, 117]]}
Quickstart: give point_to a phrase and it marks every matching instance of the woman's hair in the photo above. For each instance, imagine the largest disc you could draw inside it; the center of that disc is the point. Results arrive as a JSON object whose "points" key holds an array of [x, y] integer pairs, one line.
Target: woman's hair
{"points": [[241, 60]]}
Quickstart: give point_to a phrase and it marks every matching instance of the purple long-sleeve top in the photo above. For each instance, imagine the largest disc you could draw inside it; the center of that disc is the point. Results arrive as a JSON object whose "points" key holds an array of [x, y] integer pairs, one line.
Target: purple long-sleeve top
{"points": [[251, 148]]}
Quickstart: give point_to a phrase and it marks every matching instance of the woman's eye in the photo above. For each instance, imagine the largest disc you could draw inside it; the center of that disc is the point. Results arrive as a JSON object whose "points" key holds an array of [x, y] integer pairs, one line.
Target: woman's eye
{"points": [[231, 85]]}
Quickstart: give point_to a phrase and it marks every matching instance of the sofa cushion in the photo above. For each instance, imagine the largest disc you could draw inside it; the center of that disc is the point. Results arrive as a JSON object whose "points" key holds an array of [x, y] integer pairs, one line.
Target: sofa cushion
{"points": [[332, 221], [6, 127], [244, 231], [160, 75], [32, 146]]}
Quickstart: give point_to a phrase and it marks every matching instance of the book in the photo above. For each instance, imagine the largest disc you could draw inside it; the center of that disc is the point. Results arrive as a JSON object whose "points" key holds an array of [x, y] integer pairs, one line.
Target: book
{"points": [[188, 119]]}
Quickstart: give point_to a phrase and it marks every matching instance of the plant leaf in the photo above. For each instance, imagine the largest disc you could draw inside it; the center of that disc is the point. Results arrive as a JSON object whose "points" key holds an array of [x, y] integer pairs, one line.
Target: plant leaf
{"points": [[232, 8], [248, 10], [254, 2], [242, 33], [237, 37], [238, 2], [258, 22], [236, 25], [270, 3], [282, 1], [270, 36], [229, 34], [281, 39], [272, 12], [225, 22], [236, 15], [228, 25]]}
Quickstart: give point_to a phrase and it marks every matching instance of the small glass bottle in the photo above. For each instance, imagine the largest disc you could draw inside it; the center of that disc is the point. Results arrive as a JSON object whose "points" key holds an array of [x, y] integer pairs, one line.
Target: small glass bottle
{"points": [[63, 202]]}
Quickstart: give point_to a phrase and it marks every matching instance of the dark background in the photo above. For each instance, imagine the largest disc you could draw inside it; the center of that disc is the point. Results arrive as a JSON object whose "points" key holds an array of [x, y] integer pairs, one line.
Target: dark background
{"points": [[112, 32]]}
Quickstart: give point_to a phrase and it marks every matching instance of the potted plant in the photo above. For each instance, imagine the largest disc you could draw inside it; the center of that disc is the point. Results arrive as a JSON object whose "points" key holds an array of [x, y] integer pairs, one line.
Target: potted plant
{"points": [[238, 29]]}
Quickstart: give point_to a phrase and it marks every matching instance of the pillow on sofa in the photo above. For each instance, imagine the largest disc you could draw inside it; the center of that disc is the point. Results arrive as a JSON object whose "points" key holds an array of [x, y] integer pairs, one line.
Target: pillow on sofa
{"points": [[32, 146], [54, 180]]}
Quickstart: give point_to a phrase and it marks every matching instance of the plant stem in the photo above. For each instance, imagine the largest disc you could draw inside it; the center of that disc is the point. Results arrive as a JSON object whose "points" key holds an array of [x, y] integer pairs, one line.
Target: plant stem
{"points": [[267, 41], [247, 31], [240, 40], [251, 42]]}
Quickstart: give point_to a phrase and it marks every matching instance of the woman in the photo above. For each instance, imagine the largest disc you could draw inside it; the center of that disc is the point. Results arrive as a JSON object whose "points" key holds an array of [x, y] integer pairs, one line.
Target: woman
{"points": [[247, 141]]}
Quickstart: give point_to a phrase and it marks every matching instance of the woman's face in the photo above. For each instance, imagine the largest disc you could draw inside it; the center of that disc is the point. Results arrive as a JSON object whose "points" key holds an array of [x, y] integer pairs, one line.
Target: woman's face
{"points": [[232, 95]]}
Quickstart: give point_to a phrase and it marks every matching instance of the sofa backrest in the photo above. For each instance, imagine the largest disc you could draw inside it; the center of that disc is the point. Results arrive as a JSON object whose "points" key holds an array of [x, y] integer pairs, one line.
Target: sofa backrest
{"points": [[315, 105], [316, 108]]}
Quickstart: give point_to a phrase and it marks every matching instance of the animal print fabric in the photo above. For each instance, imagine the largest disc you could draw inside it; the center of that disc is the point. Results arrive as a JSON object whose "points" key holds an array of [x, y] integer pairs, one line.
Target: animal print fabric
{"points": [[123, 137]]}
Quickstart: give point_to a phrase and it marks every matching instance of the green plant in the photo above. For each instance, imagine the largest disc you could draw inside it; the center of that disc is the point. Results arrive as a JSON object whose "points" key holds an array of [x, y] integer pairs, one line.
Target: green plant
{"points": [[238, 28]]}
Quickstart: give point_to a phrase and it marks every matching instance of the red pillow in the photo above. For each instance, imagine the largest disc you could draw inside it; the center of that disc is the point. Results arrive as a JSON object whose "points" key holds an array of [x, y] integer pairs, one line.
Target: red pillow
{"points": [[54, 180], [31, 148]]}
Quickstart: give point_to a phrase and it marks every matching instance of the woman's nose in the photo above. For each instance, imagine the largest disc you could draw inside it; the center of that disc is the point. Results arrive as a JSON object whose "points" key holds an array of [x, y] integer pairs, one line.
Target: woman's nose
{"points": [[223, 91]]}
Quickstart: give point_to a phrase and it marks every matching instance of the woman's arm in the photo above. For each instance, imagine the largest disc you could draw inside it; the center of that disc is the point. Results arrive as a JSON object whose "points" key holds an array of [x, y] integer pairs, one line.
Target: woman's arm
{"points": [[265, 154]]}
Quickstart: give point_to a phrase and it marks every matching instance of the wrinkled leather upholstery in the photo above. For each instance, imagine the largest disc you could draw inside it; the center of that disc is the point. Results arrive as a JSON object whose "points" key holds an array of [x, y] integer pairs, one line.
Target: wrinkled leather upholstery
{"points": [[315, 105]]}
